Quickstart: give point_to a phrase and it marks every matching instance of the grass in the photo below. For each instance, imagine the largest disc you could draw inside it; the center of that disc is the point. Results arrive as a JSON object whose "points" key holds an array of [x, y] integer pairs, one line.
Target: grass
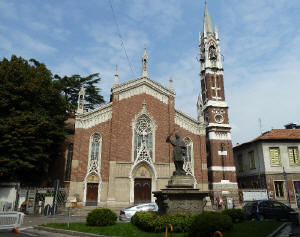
{"points": [[245, 229], [119, 229]]}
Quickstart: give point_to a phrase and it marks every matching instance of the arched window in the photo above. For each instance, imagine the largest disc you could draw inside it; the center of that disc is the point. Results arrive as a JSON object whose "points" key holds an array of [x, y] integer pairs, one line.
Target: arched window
{"points": [[95, 147], [188, 160], [94, 153], [143, 139]]}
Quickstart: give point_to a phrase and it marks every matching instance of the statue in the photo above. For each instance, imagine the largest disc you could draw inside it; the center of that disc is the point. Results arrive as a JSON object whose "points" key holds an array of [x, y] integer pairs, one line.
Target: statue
{"points": [[179, 153]]}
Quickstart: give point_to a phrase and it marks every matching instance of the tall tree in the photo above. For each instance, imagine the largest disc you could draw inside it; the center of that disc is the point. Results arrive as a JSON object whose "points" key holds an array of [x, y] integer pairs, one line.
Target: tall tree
{"points": [[70, 87], [32, 115]]}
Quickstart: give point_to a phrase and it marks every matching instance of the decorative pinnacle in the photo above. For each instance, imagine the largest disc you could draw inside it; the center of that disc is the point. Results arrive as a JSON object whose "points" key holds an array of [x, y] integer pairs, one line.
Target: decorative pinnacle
{"points": [[116, 82], [171, 83], [144, 64]]}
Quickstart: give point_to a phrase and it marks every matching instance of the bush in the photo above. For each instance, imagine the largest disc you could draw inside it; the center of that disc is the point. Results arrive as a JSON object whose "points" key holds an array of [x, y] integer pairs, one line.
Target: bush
{"points": [[151, 222], [207, 223], [101, 217], [236, 215]]}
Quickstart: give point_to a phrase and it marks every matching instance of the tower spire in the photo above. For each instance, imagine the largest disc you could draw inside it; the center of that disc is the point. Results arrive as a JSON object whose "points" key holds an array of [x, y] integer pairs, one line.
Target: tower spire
{"points": [[144, 64], [207, 23]]}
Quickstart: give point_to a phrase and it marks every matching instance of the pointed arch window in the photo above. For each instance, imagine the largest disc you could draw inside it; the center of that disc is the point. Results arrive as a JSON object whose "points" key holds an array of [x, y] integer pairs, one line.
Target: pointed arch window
{"points": [[94, 153], [143, 139], [189, 159]]}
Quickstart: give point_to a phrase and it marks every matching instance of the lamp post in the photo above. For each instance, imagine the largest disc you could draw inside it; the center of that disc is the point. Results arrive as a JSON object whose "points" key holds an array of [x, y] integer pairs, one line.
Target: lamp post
{"points": [[222, 156], [286, 186]]}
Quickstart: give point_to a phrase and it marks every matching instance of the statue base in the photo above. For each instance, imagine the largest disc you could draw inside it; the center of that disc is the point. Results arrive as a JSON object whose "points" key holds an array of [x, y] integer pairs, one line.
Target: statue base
{"points": [[180, 196], [181, 181]]}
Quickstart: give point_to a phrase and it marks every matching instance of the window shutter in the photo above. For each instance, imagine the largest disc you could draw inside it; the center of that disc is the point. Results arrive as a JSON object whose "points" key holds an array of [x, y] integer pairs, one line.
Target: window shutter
{"points": [[274, 155]]}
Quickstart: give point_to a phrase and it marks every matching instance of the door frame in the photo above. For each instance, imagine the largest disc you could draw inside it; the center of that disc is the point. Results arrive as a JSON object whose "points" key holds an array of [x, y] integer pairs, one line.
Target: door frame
{"points": [[150, 182], [151, 169], [85, 182]]}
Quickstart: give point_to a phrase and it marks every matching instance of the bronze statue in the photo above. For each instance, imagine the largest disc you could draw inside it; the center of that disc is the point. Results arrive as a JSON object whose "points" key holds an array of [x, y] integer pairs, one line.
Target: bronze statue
{"points": [[179, 153]]}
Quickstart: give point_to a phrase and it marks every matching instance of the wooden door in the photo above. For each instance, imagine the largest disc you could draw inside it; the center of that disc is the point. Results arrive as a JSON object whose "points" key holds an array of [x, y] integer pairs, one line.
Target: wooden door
{"points": [[142, 190], [91, 194]]}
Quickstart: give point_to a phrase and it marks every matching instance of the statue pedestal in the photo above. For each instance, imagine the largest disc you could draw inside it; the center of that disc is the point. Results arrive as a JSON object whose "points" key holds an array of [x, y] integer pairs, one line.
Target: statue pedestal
{"points": [[180, 197]]}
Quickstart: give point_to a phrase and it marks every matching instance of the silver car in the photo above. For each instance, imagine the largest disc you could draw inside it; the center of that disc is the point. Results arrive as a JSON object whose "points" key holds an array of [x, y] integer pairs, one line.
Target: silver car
{"points": [[127, 213]]}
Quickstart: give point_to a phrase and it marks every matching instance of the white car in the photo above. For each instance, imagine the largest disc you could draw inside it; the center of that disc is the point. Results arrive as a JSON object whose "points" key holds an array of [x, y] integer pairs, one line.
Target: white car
{"points": [[127, 213]]}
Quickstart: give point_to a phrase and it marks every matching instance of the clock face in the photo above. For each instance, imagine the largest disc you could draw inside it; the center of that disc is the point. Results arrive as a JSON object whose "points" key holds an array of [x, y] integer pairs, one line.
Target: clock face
{"points": [[219, 118]]}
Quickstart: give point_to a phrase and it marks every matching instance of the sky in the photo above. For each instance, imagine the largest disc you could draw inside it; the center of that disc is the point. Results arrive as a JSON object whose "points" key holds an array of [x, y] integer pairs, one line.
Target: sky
{"points": [[260, 41]]}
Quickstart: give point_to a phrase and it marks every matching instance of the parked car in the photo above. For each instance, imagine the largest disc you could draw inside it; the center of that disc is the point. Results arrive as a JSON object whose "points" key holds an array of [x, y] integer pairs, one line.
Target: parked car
{"points": [[269, 209], [127, 213]]}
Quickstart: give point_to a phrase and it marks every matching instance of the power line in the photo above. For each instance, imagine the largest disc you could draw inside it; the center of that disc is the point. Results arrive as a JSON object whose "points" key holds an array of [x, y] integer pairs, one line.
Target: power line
{"points": [[120, 36]]}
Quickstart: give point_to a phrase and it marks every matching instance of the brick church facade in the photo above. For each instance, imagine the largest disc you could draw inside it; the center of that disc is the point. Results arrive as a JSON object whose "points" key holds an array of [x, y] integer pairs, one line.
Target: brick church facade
{"points": [[120, 152]]}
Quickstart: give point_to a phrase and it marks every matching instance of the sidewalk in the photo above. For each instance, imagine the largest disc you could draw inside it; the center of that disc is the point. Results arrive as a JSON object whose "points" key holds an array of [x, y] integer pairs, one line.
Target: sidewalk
{"points": [[39, 220]]}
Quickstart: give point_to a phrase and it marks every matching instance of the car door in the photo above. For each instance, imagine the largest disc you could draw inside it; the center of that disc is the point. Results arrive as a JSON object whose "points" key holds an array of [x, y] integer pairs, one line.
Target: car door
{"points": [[265, 209], [277, 210]]}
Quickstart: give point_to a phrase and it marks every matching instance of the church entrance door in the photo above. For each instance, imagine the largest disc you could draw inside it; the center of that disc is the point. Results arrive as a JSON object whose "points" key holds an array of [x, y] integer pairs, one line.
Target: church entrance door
{"points": [[91, 194], [142, 190]]}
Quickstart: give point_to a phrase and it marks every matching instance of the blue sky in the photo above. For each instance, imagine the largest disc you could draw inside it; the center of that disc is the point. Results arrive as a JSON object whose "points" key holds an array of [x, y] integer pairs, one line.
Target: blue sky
{"points": [[260, 41]]}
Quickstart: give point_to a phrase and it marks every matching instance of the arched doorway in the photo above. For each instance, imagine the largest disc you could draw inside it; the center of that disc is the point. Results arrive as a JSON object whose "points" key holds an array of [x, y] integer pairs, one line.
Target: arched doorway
{"points": [[92, 187], [142, 185]]}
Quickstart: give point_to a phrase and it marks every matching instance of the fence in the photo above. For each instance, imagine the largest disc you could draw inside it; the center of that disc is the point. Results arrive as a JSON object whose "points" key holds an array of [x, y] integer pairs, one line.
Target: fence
{"points": [[10, 220], [35, 200]]}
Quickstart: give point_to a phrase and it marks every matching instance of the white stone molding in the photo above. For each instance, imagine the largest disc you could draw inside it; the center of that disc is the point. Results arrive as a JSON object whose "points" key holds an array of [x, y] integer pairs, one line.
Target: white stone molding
{"points": [[222, 153], [94, 117], [143, 85], [190, 124], [94, 165], [151, 169], [218, 125], [213, 135], [225, 183], [220, 168], [143, 124], [144, 89], [212, 103]]}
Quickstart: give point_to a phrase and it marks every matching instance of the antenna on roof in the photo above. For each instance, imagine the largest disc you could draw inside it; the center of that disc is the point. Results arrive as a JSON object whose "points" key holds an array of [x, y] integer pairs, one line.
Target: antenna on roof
{"points": [[260, 127]]}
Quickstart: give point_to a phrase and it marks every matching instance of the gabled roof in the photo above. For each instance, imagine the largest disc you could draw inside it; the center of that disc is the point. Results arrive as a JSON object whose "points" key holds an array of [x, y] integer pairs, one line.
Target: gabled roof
{"points": [[275, 134], [143, 81]]}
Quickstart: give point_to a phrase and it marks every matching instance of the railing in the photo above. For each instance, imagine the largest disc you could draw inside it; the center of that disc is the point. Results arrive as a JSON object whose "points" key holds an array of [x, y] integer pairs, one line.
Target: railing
{"points": [[11, 220]]}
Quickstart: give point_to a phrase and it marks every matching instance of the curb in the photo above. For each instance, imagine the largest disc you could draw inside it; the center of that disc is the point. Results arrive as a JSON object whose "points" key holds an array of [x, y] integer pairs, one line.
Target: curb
{"points": [[69, 232], [275, 232]]}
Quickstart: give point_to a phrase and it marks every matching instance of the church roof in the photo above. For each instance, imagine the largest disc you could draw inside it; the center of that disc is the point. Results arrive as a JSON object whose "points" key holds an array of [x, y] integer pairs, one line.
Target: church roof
{"points": [[276, 134]]}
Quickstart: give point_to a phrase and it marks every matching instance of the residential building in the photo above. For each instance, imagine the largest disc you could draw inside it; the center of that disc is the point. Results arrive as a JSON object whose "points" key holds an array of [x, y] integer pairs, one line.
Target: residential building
{"points": [[271, 161]]}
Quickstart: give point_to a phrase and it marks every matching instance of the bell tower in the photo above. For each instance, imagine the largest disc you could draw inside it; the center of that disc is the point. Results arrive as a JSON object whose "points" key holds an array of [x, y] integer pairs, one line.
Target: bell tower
{"points": [[220, 161]]}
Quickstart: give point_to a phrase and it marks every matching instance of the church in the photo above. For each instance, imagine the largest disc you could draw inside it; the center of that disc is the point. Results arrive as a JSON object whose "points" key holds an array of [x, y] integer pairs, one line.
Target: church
{"points": [[120, 152]]}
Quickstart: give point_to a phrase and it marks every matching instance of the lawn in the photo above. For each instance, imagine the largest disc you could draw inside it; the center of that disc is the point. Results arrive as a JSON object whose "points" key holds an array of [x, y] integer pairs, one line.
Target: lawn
{"points": [[247, 229]]}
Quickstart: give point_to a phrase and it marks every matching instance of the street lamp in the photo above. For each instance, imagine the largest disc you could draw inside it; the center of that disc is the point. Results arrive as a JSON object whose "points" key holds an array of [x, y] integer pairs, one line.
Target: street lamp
{"points": [[222, 156], [286, 186]]}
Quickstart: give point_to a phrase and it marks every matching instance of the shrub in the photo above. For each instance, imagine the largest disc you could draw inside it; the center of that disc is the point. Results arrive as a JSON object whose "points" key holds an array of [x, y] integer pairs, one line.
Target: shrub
{"points": [[236, 215], [151, 222], [205, 224], [101, 217]]}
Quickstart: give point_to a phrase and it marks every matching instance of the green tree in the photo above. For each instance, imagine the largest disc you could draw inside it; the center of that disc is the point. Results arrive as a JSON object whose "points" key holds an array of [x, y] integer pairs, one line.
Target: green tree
{"points": [[70, 87], [32, 115]]}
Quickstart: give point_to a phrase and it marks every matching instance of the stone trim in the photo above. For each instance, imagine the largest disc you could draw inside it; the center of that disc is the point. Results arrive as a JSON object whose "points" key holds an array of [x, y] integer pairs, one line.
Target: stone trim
{"points": [[212, 103], [143, 85], [220, 168], [188, 123], [94, 117], [219, 135]]}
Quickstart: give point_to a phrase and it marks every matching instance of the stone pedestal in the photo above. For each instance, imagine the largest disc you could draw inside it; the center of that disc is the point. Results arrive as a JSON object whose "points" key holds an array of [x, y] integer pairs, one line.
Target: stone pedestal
{"points": [[180, 196]]}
